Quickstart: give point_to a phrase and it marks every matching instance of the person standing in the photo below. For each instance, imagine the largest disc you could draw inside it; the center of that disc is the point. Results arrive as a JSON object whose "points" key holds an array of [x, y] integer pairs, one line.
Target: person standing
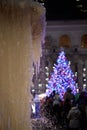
{"points": [[74, 117], [69, 100]]}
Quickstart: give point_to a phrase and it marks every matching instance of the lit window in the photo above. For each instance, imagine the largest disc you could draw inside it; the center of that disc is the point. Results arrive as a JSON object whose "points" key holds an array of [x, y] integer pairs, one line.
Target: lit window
{"points": [[65, 41], [84, 41], [79, 6]]}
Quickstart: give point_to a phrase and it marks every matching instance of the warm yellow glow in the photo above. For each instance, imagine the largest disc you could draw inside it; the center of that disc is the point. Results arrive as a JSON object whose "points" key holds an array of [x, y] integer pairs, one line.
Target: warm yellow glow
{"points": [[84, 41], [65, 41], [17, 46]]}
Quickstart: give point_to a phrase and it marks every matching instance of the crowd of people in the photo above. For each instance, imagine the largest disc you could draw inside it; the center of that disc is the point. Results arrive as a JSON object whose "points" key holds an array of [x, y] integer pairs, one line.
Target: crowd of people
{"points": [[70, 113]]}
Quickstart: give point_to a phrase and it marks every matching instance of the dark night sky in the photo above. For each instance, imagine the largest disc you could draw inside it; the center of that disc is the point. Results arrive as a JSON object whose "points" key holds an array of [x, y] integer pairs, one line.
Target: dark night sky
{"points": [[65, 9]]}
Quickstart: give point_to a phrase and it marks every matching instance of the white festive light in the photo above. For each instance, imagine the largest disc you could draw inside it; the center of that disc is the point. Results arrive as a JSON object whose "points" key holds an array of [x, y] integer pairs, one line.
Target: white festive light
{"points": [[40, 85], [75, 73], [46, 68], [84, 74], [84, 79], [84, 85], [33, 108], [47, 73], [47, 79], [84, 69]]}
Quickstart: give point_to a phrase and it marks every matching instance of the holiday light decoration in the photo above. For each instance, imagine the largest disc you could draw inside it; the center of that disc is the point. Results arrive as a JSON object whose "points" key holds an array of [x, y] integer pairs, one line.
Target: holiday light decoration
{"points": [[62, 77]]}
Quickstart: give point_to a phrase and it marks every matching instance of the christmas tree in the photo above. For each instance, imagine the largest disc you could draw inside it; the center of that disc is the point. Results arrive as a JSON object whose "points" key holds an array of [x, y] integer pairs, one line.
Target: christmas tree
{"points": [[62, 77]]}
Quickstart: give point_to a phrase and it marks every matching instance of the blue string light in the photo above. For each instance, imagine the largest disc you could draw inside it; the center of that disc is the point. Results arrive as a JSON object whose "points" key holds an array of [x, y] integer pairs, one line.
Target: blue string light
{"points": [[62, 76]]}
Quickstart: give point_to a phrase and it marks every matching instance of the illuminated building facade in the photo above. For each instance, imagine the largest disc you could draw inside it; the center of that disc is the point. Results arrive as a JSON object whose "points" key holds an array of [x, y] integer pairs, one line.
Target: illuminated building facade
{"points": [[72, 35]]}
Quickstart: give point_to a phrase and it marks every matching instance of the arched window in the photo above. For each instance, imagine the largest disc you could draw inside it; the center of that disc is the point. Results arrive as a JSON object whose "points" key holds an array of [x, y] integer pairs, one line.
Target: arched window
{"points": [[84, 41], [64, 41]]}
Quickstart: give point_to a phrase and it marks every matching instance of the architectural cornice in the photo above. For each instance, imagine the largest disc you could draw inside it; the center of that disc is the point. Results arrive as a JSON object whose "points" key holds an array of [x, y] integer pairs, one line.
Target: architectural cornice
{"points": [[66, 25]]}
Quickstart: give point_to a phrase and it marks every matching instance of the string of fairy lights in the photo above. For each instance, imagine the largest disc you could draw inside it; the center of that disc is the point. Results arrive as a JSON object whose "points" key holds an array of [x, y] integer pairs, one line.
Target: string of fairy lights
{"points": [[84, 76], [81, 5]]}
